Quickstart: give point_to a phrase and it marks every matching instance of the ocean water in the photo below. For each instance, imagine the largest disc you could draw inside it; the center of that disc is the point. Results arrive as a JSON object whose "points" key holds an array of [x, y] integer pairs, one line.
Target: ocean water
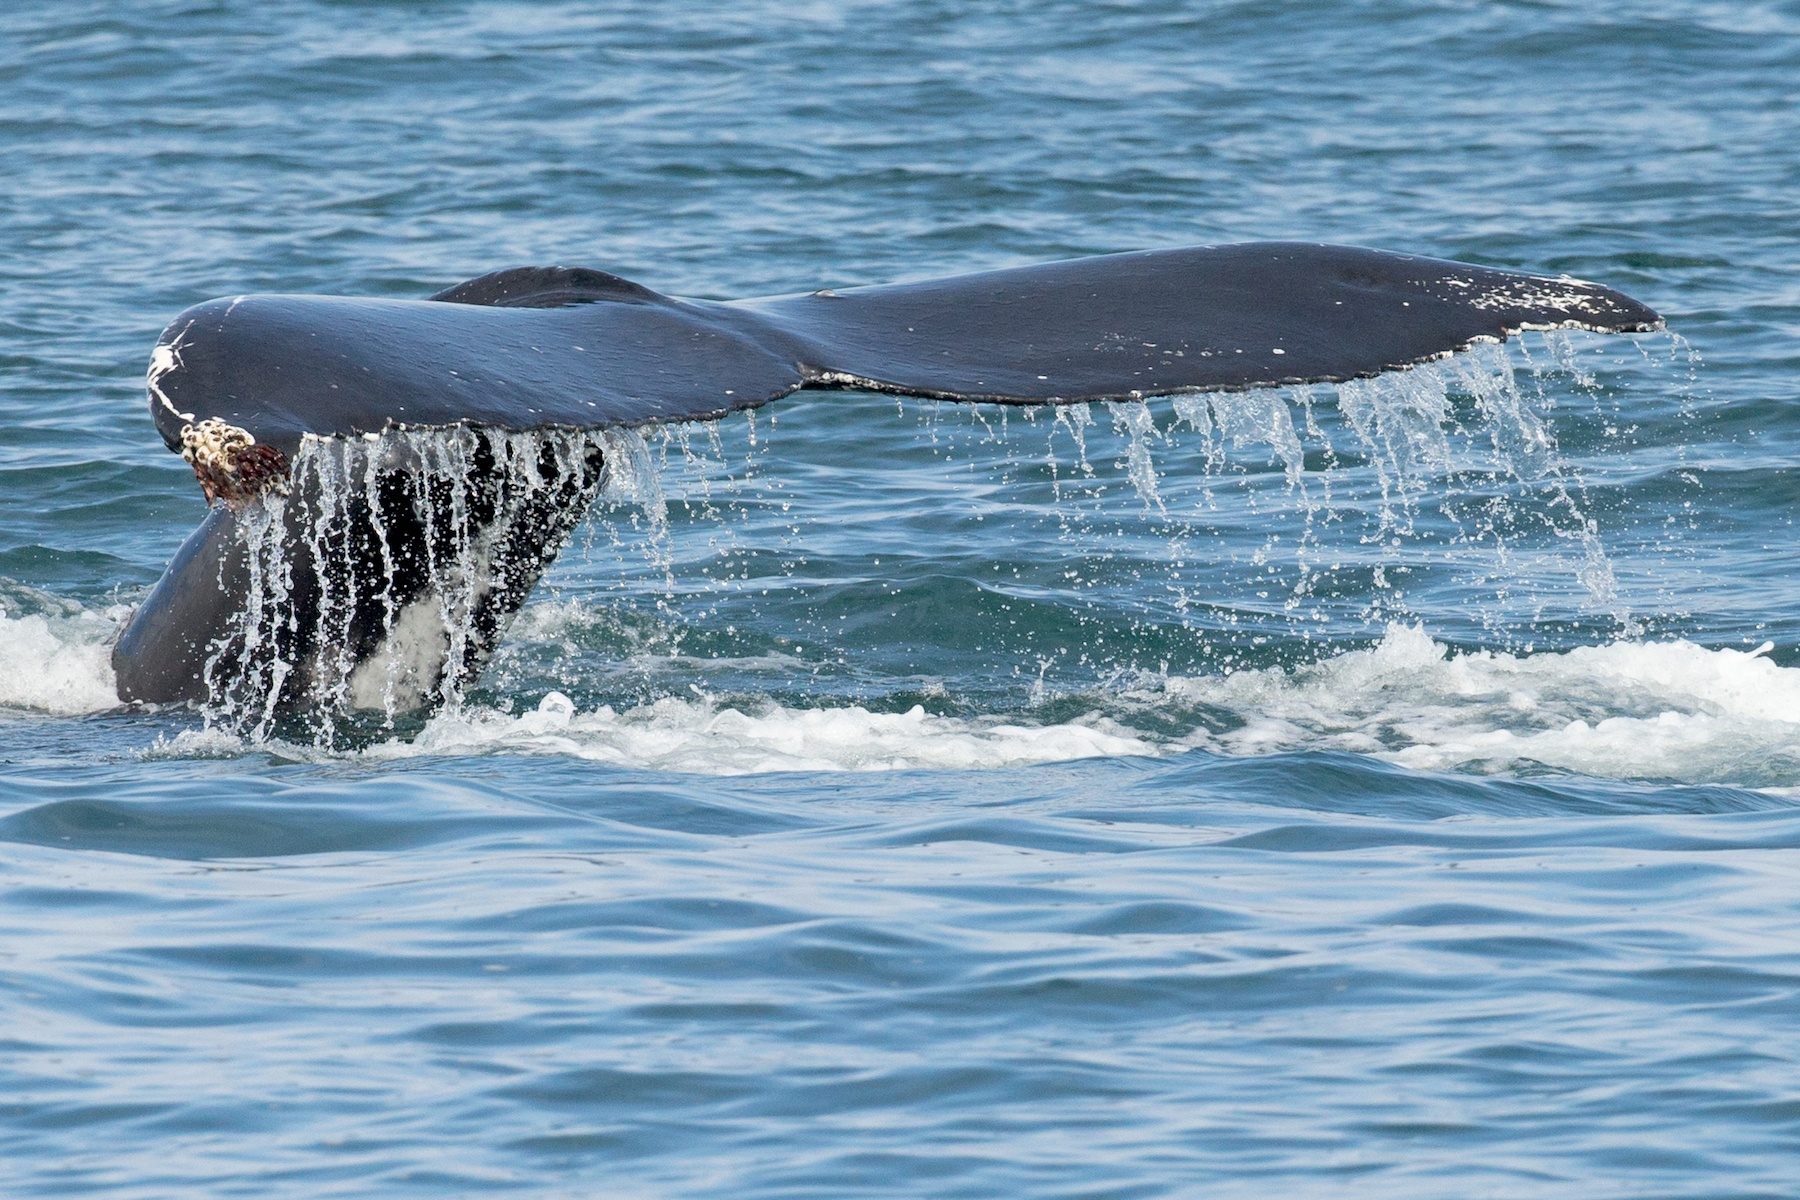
{"points": [[1389, 790]]}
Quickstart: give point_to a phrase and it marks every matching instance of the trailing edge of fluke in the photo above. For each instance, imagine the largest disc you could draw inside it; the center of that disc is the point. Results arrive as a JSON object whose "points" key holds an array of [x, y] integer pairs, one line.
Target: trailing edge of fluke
{"points": [[237, 384]]}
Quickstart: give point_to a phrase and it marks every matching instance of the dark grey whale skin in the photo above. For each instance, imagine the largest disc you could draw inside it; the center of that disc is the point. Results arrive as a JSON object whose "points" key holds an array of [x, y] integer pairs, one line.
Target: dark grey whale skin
{"points": [[162, 652], [558, 347]]}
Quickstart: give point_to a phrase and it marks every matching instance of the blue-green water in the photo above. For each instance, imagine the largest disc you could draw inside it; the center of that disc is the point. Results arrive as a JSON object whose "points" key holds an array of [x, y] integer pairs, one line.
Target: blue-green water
{"points": [[912, 800]]}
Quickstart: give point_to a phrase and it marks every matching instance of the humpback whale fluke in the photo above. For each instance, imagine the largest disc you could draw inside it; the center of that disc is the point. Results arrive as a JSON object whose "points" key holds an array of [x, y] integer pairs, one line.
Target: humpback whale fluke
{"points": [[385, 573]]}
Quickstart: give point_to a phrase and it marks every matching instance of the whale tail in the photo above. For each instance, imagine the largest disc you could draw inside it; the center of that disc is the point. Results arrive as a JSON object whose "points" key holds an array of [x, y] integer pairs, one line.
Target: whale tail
{"points": [[392, 477]]}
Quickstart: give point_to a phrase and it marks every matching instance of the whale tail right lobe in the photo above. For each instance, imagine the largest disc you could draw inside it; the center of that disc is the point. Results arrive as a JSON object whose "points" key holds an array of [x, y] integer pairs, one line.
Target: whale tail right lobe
{"points": [[1206, 318]]}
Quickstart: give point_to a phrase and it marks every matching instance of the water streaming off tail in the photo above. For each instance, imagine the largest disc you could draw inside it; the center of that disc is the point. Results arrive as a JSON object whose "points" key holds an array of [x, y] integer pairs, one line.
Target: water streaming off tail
{"points": [[1363, 487], [408, 554], [385, 577]]}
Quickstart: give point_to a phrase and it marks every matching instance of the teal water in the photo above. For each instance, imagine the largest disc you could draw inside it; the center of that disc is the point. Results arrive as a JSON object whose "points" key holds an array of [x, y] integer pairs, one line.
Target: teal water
{"points": [[1382, 791]]}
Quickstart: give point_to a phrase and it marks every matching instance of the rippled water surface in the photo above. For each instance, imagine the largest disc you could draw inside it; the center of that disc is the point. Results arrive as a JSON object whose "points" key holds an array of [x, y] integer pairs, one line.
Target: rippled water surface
{"points": [[1383, 790]]}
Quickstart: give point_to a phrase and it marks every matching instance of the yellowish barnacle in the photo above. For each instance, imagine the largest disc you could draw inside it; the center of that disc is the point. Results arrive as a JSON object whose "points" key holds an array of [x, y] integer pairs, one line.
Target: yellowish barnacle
{"points": [[230, 464]]}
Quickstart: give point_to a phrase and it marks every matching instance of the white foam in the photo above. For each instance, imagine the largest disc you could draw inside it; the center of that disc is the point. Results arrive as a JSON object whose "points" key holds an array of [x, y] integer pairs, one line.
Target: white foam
{"points": [[1630, 710], [59, 664], [210, 741], [701, 737], [1634, 710]]}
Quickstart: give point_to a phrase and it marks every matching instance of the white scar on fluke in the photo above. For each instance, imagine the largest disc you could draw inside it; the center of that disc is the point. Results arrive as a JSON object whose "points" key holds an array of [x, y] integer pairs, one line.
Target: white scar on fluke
{"points": [[165, 358], [229, 463]]}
